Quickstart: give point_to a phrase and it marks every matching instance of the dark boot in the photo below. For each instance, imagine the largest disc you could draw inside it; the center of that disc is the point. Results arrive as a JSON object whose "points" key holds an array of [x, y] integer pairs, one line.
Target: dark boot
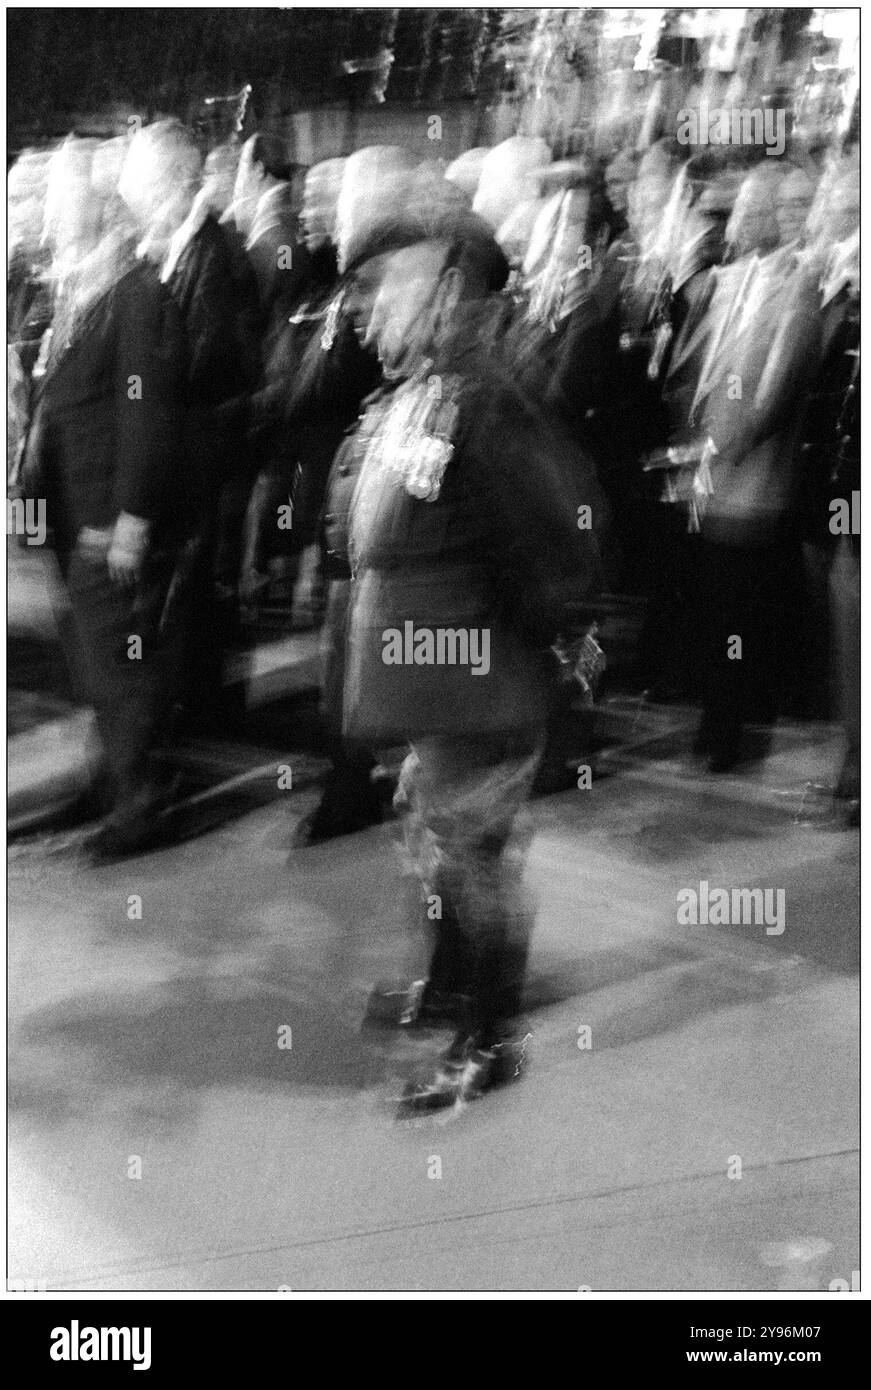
{"points": [[351, 801]]}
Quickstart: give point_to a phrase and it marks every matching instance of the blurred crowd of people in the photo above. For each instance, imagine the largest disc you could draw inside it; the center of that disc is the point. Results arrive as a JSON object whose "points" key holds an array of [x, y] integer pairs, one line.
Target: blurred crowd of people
{"points": [[636, 373], [691, 317]]}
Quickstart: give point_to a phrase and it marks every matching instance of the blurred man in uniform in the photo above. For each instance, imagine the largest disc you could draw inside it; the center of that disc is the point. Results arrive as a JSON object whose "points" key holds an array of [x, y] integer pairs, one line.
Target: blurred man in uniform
{"points": [[464, 537]]}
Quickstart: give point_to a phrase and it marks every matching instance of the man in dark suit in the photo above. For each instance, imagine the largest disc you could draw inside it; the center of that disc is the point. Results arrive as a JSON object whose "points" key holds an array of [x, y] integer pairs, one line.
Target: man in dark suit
{"points": [[184, 241], [264, 211], [103, 451]]}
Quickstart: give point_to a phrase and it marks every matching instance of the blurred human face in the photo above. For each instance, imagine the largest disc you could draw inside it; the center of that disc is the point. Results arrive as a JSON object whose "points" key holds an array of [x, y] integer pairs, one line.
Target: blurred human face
{"points": [[72, 210], [219, 177], [158, 183], [618, 177], [165, 205], [752, 224], [362, 293], [646, 201], [794, 199], [393, 301], [835, 212]]}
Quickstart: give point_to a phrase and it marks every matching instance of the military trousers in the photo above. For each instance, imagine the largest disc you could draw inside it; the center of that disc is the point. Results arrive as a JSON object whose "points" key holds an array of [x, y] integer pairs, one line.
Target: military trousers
{"points": [[462, 801]]}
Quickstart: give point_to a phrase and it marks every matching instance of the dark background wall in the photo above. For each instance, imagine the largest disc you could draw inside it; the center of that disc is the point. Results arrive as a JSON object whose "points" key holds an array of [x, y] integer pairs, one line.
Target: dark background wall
{"points": [[333, 79], [94, 67]]}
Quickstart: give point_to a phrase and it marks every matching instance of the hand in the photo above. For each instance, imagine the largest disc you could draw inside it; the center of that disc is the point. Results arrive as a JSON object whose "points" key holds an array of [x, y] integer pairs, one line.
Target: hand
{"points": [[128, 549]]}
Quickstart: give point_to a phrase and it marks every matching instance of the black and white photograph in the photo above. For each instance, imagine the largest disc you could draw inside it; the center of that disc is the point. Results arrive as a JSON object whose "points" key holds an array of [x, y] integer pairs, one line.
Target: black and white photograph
{"points": [[433, 659]]}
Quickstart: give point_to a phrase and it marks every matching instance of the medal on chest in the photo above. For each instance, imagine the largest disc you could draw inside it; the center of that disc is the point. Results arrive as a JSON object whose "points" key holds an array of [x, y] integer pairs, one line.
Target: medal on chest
{"points": [[414, 440]]}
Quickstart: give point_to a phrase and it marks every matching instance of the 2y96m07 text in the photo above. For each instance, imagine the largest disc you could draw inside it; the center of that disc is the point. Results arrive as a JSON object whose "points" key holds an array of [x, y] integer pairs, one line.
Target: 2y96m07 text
{"points": [[719, 1334]]}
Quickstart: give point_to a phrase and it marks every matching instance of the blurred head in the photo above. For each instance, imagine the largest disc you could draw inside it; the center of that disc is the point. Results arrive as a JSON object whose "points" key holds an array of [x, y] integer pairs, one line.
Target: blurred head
{"points": [[263, 163], [320, 196], [160, 177], [26, 192], [395, 300], [408, 279], [712, 183], [649, 194], [582, 222], [106, 176], [508, 176], [219, 176], [700, 203], [73, 211], [376, 185], [834, 214], [619, 175], [794, 198], [646, 200], [753, 224], [109, 159]]}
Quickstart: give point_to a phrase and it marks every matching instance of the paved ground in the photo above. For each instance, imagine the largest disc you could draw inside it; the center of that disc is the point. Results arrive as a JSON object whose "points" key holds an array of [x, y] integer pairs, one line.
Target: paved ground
{"points": [[156, 1039]]}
